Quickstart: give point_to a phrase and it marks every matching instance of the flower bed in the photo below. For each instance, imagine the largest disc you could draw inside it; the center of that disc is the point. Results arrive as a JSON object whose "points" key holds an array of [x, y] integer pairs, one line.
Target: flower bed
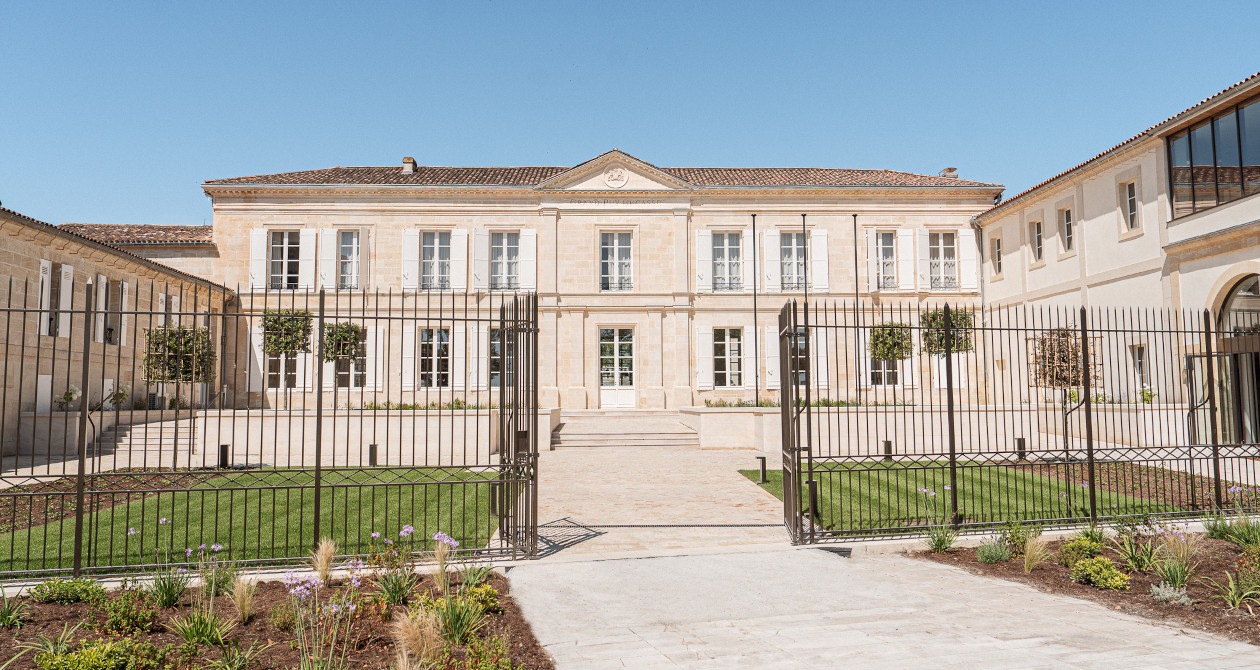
{"points": [[1221, 592]]}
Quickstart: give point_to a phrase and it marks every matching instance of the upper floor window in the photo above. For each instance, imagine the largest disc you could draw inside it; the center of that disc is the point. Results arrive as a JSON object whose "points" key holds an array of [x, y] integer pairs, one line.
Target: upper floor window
{"points": [[1137, 354], [1067, 229], [943, 261], [435, 261], [1216, 161], [1036, 241], [792, 261], [728, 272], [728, 351], [284, 259], [1130, 205], [886, 259], [997, 255], [348, 255], [504, 259], [614, 262], [56, 288]]}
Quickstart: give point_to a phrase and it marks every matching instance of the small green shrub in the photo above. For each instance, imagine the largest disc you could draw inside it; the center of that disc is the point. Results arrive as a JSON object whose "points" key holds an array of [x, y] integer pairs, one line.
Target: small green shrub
{"points": [[133, 611], [397, 586], [1216, 526], [993, 551], [489, 654], [1101, 573], [1234, 592], [1243, 532], [342, 340], [1167, 593], [12, 611], [1081, 547], [232, 657], [1015, 536], [1093, 533], [123, 654], [1175, 573], [283, 616], [485, 596], [890, 342], [473, 575], [940, 539], [168, 587], [68, 591], [1138, 555], [459, 618], [201, 627], [1249, 564], [933, 323]]}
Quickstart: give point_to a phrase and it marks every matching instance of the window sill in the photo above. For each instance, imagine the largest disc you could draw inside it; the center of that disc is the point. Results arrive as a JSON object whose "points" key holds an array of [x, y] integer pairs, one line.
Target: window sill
{"points": [[1126, 235], [1036, 265], [1065, 255]]}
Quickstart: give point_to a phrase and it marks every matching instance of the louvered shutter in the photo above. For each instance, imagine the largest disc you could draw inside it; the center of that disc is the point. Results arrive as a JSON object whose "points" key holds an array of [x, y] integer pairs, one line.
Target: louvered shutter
{"points": [[258, 362], [258, 258], [748, 362], [459, 357], [704, 261], [124, 294], [863, 359], [459, 260], [819, 353], [771, 263], [375, 358], [159, 318], [872, 262], [306, 257], [772, 357], [481, 380], [365, 259], [746, 266], [65, 300], [704, 359], [527, 261], [923, 256], [45, 294], [820, 278], [960, 371], [409, 357], [968, 270], [102, 290], [410, 259], [328, 270], [481, 260], [905, 260]]}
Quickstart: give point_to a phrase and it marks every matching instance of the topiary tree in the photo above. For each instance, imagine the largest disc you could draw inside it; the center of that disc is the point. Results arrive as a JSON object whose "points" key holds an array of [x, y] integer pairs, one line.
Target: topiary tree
{"points": [[342, 340], [179, 354], [890, 342], [933, 324], [1058, 363], [286, 332]]}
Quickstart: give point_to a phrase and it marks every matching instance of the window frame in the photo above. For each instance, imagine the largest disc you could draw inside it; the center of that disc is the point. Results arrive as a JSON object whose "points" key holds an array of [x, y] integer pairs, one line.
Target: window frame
{"points": [[435, 279], [1132, 206], [1217, 139], [616, 281], [505, 269], [494, 341], [354, 368], [790, 263], [731, 267], [887, 279], [938, 279], [732, 362], [1037, 241], [289, 277], [996, 252], [1067, 229], [282, 361], [1141, 365], [884, 369], [433, 339], [356, 262]]}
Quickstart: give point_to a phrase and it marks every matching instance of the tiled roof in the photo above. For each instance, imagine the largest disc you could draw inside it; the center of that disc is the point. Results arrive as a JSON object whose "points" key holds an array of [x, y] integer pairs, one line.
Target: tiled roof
{"points": [[124, 234], [1145, 133], [534, 175]]}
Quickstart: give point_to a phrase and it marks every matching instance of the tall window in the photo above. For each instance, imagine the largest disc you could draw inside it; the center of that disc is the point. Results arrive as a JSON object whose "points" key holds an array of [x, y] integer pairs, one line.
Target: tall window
{"points": [[1130, 205], [348, 259], [728, 351], [501, 357], [886, 259], [113, 312], [504, 252], [50, 285], [728, 270], [792, 261], [1036, 241], [883, 373], [1137, 355], [943, 261], [1216, 161], [997, 255], [616, 357], [281, 371], [800, 356], [435, 261], [1066, 229], [351, 373], [614, 262], [435, 357], [284, 259]]}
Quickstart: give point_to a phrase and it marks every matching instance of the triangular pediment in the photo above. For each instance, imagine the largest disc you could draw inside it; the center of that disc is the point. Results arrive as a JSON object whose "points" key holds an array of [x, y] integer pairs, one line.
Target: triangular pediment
{"points": [[615, 171]]}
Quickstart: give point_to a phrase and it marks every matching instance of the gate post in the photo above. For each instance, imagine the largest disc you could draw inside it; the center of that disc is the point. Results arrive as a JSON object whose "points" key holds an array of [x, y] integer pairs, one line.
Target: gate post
{"points": [[80, 479], [319, 417], [1086, 380], [1210, 364], [949, 413]]}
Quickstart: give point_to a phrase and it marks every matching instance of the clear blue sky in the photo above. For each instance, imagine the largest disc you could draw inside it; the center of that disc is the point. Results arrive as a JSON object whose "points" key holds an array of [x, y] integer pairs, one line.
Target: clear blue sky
{"points": [[116, 112]]}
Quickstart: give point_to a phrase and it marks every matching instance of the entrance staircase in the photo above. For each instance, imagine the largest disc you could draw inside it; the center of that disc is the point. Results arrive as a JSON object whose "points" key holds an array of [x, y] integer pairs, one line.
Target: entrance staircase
{"points": [[622, 428], [153, 436]]}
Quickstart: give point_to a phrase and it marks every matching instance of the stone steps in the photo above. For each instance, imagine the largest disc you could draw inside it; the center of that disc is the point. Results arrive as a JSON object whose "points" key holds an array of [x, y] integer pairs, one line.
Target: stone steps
{"points": [[622, 428]]}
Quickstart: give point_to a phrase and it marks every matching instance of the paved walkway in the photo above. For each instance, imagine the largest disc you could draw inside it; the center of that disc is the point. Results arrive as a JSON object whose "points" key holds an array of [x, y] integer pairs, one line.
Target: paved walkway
{"points": [[604, 502], [806, 608]]}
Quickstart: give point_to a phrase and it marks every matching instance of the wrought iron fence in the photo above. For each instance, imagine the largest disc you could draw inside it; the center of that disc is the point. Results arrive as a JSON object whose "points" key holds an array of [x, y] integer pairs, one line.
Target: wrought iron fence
{"points": [[904, 417], [264, 422]]}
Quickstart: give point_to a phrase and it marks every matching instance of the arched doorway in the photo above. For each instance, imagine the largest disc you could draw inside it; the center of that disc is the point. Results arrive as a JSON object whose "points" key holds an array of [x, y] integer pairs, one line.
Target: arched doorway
{"points": [[1239, 363]]}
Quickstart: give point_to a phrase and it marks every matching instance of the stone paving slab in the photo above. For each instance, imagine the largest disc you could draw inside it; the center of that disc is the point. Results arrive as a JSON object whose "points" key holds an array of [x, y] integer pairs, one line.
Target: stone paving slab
{"points": [[806, 608]]}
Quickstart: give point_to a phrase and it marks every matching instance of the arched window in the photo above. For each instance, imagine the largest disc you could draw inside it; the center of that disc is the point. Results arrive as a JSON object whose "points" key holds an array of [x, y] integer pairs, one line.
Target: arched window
{"points": [[1240, 314]]}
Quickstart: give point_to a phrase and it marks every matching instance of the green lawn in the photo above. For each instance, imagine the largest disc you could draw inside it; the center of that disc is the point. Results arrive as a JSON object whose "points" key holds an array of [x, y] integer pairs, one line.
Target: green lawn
{"points": [[272, 523], [870, 496]]}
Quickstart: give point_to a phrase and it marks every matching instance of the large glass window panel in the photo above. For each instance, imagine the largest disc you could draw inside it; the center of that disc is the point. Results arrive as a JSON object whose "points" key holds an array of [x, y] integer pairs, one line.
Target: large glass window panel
{"points": [[281, 371], [1228, 169], [351, 372], [943, 261], [284, 259], [886, 259], [435, 260], [1249, 131], [1130, 205], [792, 261], [614, 262], [501, 357], [616, 357], [883, 373], [728, 271], [1182, 184], [435, 357], [728, 351], [504, 259], [1037, 241], [348, 259], [1203, 166]]}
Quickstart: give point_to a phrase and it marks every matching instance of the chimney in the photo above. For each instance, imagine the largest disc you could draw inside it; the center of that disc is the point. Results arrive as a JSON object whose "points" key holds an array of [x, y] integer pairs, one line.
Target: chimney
{"points": [[409, 165], [948, 173]]}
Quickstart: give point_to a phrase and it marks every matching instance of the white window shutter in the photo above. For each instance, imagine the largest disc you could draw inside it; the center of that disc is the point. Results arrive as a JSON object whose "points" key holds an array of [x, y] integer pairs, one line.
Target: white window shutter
{"points": [[704, 262], [960, 373], [820, 279], [258, 258], [772, 357], [905, 260], [159, 319], [102, 288], [473, 366], [481, 260], [527, 265], [908, 372], [174, 300], [968, 271], [746, 267], [704, 359], [304, 369], [365, 259], [872, 261], [124, 292], [771, 263], [408, 357], [65, 300], [819, 353], [410, 259], [925, 272], [748, 362], [328, 258], [863, 359], [258, 362], [306, 257], [45, 294], [481, 380], [459, 357], [459, 260], [375, 358]]}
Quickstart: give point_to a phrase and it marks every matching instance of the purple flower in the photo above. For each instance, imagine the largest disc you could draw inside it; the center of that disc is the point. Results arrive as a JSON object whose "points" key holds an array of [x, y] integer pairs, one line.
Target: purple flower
{"points": [[216, 547], [132, 531], [201, 548], [163, 521], [1235, 489], [375, 535], [188, 553], [948, 488], [446, 539], [389, 541], [406, 530]]}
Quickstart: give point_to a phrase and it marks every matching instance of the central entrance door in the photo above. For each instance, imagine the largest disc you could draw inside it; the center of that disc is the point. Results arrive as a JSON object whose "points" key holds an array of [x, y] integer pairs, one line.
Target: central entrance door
{"points": [[616, 368]]}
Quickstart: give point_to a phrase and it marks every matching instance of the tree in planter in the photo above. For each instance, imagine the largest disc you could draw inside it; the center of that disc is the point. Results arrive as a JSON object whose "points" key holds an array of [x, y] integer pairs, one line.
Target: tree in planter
{"points": [[342, 341], [286, 332], [933, 324], [1057, 363], [179, 354], [890, 342]]}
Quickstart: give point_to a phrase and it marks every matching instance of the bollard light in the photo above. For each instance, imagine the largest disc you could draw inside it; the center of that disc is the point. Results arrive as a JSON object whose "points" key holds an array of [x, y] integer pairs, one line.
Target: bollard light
{"points": [[223, 457], [762, 465], [371, 455]]}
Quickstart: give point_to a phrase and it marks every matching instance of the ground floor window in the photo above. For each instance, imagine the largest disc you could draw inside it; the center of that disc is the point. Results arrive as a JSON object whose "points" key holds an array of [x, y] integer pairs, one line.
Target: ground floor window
{"points": [[281, 371], [502, 355], [351, 371], [728, 351], [616, 357], [883, 373], [435, 357], [800, 357]]}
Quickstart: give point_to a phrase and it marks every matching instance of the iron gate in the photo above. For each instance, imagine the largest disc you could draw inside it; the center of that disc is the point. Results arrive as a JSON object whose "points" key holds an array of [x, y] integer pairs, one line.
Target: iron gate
{"points": [[263, 422]]}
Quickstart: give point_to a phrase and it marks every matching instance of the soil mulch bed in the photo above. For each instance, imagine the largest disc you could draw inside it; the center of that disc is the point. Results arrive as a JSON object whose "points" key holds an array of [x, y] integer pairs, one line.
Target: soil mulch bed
{"points": [[1206, 614], [373, 648], [1143, 482]]}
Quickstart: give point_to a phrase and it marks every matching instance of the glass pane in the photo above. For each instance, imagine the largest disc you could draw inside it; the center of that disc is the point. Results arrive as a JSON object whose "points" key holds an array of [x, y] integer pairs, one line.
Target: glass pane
{"points": [[1204, 168], [625, 364], [625, 350], [1179, 157], [606, 349], [1249, 129], [605, 334], [607, 378], [627, 379], [1228, 170], [626, 335]]}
